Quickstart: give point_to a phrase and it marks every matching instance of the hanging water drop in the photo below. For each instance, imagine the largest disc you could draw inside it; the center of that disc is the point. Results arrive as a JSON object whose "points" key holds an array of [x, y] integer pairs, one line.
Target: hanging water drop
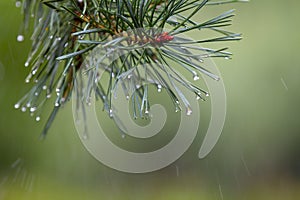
{"points": [[56, 104], [38, 118], [110, 113], [26, 64], [45, 87], [33, 109], [17, 106], [34, 71], [196, 77], [23, 109], [88, 101], [159, 88], [27, 80], [189, 111], [20, 38]]}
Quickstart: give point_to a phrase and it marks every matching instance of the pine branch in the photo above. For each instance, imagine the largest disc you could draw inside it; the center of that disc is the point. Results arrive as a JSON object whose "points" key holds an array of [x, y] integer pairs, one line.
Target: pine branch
{"points": [[68, 33]]}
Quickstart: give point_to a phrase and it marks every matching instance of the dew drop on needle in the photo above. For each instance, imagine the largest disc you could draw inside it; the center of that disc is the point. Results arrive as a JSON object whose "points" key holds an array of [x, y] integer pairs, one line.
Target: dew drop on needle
{"points": [[20, 38], [38, 118]]}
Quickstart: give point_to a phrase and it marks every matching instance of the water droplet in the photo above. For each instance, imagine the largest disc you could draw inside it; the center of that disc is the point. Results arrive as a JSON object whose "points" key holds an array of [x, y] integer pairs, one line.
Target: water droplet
{"points": [[33, 72], [189, 111], [56, 104], [123, 136], [38, 118], [159, 88], [227, 58], [36, 94], [48, 96], [27, 80], [51, 37], [17, 106], [18, 4], [112, 75], [33, 109], [207, 94], [146, 111], [110, 113], [127, 97], [201, 60], [23, 109], [20, 38], [28, 104], [196, 77], [88, 101], [45, 87], [59, 38], [198, 97], [26, 64]]}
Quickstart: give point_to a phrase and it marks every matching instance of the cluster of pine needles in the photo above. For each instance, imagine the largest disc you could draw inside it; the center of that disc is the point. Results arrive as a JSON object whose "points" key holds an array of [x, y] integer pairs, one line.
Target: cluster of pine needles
{"points": [[133, 41]]}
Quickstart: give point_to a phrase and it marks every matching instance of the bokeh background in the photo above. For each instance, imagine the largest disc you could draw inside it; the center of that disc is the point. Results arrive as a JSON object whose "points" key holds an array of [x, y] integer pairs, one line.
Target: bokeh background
{"points": [[257, 156]]}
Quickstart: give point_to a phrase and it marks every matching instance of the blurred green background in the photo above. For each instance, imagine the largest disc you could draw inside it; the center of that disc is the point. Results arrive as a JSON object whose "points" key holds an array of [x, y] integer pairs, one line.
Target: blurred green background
{"points": [[257, 157]]}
